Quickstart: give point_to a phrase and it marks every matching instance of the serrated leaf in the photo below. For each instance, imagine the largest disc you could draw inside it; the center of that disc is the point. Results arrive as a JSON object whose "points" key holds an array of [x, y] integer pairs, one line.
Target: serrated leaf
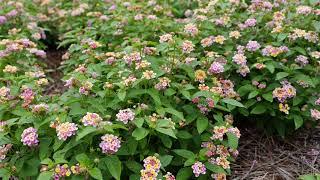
{"points": [[253, 94], [189, 161], [167, 131], [165, 160], [138, 122], [232, 102], [96, 173], [184, 173], [268, 97], [114, 166], [85, 131], [202, 124], [281, 75], [140, 133], [134, 166], [316, 25], [258, 109], [184, 135], [270, 67], [214, 168], [298, 121], [184, 153], [121, 95], [46, 175], [83, 159], [232, 140], [174, 112]]}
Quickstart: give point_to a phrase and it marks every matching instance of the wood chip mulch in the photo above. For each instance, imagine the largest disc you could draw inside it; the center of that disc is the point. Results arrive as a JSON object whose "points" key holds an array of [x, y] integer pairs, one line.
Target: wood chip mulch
{"points": [[263, 157]]}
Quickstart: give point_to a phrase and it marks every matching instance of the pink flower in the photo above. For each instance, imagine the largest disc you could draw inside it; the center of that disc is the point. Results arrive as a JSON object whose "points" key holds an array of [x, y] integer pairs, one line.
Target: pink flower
{"points": [[250, 22], [216, 68], [125, 115], [110, 144], [198, 168], [315, 114], [253, 46], [66, 130], [29, 137], [91, 119], [187, 47]]}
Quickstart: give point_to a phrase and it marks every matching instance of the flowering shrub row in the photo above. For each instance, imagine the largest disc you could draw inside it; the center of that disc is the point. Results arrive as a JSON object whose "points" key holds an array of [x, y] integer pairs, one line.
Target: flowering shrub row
{"points": [[152, 87]]}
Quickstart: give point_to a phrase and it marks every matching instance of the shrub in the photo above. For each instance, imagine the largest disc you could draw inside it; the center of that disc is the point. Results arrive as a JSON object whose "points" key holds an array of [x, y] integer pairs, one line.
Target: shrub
{"points": [[151, 95]]}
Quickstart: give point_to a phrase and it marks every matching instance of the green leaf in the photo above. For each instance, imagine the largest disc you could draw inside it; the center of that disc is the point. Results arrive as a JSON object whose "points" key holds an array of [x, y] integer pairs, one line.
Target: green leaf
{"points": [[174, 112], [316, 25], [169, 92], [138, 122], [206, 94], [140, 133], [5, 174], [297, 100], [134, 166], [85, 131], [44, 148], [83, 159], [232, 140], [270, 67], [114, 166], [186, 94], [259, 109], [167, 131], [232, 102], [268, 97], [189, 161], [96, 173], [184, 153], [122, 95], [165, 160], [166, 141], [243, 90], [300, 50], [46, 175], [184, 173], [253, 94], [202, 124], [184, 135], [298, 121], [281, 75], [214, 168], [155, 96]]}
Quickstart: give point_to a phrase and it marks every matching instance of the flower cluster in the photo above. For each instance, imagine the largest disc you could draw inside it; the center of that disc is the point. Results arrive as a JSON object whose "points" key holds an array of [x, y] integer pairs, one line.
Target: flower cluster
{"points": [[125, 115], [29, 137], [110, 144], [285, 92], [91, 119], [198, 168], [4, 149], [65, 130], [61, 171], [40, 108], [151, 168]]}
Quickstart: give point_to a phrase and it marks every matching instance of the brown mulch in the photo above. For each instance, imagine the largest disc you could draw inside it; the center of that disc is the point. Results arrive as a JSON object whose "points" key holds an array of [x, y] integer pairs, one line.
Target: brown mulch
{"points": [[53, 61], [266, 157]]}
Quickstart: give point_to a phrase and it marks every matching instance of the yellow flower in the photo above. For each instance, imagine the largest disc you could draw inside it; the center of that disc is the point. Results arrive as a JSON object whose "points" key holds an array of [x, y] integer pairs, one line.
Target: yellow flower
{"points": [[200, 75], [284, 108], [219, 39]]}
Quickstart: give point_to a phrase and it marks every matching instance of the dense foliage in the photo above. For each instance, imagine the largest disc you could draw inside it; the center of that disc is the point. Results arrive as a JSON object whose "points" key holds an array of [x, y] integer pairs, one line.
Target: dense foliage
{"points": [[152, 87]]}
